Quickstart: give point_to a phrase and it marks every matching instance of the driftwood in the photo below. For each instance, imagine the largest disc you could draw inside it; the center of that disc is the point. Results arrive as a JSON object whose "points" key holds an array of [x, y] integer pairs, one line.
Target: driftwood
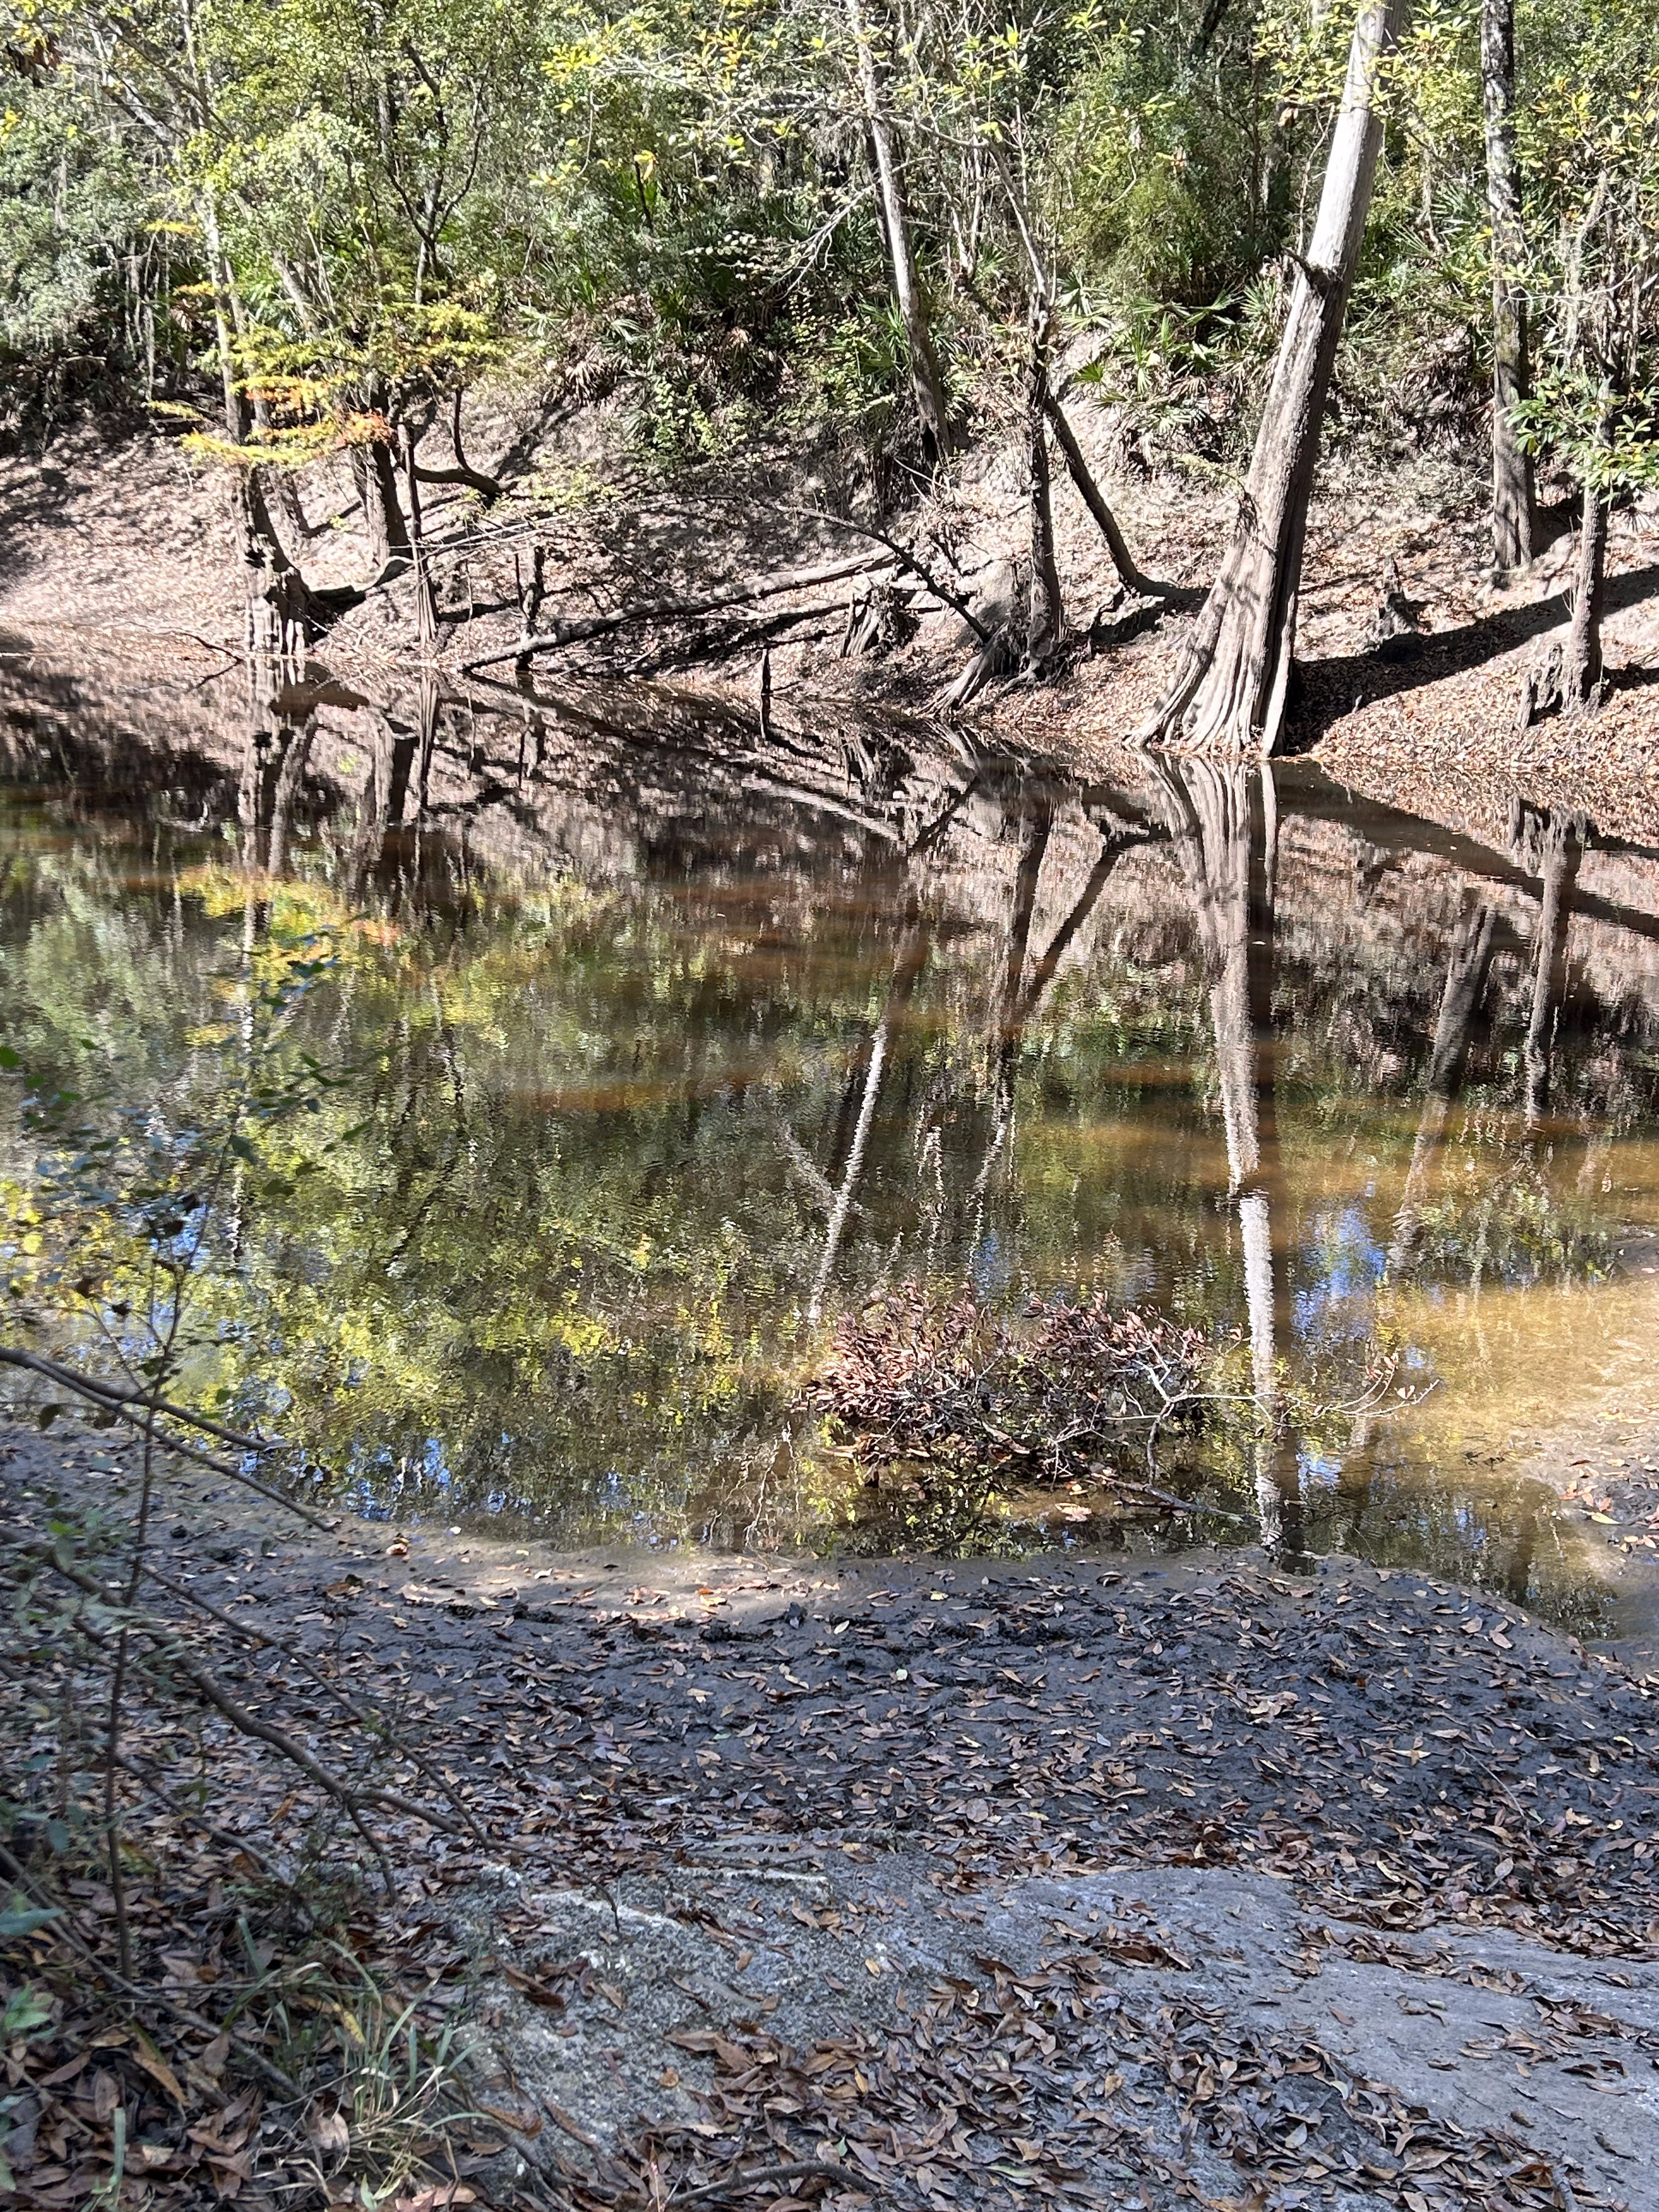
{"points": [[1543, 690], [596, 626], [879, 619], [1394, 628], [999, 656]]}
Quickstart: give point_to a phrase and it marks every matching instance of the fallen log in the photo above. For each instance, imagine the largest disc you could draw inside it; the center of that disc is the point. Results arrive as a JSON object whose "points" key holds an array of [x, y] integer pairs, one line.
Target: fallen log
{"points": [[595, 626]]}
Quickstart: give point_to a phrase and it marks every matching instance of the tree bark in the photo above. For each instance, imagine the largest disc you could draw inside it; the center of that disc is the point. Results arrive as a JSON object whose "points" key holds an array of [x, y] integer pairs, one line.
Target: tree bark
{"points": [[376, 485], [1044, 615], [1581, 687], [930, 404], [1229, 691], [1513, 502]]}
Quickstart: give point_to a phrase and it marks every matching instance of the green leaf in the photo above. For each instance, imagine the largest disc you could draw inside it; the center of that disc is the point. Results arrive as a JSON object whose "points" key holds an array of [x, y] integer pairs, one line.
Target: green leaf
{"points": [[8, 1058], [26, 2011], [23, 1919]]}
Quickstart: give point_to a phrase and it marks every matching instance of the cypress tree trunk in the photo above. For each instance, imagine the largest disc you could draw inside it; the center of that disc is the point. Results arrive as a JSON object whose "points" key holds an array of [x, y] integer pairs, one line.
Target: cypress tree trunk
{"points": [[1044, 614], [1513, 507], [925, 375], [1229, 689], [377, 485]]}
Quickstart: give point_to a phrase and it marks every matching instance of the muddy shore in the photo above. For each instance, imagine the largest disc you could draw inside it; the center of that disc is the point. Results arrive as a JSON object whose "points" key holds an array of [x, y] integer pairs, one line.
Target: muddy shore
{"points": [[760, 1835], [130, 534]]}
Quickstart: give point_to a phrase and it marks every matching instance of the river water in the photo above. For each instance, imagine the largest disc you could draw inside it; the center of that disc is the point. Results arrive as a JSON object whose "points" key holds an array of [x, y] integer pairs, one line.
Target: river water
{"points": [[639, 1044]]}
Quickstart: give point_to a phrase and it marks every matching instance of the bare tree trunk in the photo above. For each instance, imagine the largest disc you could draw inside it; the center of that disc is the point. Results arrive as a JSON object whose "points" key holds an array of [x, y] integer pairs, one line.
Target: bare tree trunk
{"points": [[931, 403], [426, 604], [1229, 691], [376, 485], [278, 603], [1581, 687], [1044, 615], [1089, 493], [1513, 505]]}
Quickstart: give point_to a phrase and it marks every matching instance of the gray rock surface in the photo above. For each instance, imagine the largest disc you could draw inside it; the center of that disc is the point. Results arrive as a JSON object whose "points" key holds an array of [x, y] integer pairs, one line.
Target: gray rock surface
{"points": [[1539, 2057]]}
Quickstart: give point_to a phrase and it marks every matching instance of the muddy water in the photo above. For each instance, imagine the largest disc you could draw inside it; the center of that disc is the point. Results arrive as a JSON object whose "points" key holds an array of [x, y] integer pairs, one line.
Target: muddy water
{"points": [[639, 1045]]}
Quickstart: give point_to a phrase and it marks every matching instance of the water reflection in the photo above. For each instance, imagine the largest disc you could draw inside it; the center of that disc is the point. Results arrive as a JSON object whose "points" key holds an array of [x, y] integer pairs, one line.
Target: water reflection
{"points": [[658, 1040]]}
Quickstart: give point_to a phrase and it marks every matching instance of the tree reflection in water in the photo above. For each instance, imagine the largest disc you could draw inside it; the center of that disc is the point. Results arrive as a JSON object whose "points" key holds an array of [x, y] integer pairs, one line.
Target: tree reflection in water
{"points": [[1223, 825], [664, 1041]]}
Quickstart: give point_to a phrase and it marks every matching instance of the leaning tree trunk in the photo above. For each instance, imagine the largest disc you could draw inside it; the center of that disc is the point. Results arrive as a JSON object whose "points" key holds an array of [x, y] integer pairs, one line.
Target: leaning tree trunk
{"points": [[1512, 496], [1229, 691], [930, 404], [1044, 615], [1582, 685]]}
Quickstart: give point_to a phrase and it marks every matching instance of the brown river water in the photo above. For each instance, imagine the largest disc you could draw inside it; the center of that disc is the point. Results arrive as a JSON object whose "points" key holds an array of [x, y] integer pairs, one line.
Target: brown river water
{"points": [[643, 1043]]}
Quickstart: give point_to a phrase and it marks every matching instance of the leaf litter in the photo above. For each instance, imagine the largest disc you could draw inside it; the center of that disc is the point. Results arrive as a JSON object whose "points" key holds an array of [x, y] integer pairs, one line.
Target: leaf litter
{"points": [[1410, 1758]]}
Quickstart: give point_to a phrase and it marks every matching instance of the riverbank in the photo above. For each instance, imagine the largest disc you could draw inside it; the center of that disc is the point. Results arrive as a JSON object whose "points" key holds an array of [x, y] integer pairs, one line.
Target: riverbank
{"points": [[131, 534], [962, 1880]]}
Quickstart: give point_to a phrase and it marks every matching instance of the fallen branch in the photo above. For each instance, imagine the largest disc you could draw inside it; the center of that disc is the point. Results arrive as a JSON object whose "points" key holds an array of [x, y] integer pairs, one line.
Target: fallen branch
{"points": [[757, 2176], [213, 1692], [262, 1638], [595, 626], [907, 560]]}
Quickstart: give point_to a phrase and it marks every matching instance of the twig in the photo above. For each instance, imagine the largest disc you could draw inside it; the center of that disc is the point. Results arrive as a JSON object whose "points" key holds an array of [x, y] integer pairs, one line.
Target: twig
{"points": [[213, 1692], [1181, 1504], [757, 2176], [98, 1394], [72, 1377], [261, 1637]]}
